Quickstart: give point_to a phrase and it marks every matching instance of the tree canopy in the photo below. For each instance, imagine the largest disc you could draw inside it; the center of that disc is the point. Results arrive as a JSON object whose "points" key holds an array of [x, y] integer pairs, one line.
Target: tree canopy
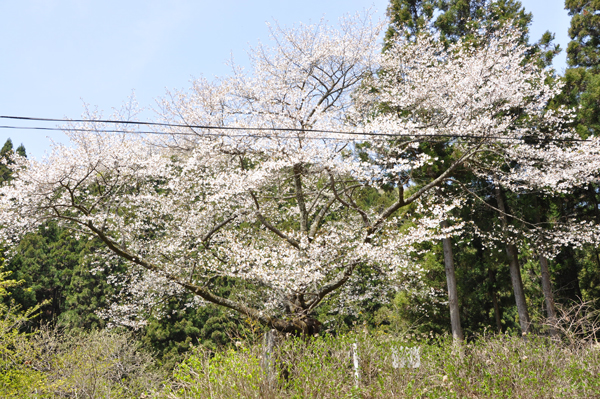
{"points": [[277, 195]]}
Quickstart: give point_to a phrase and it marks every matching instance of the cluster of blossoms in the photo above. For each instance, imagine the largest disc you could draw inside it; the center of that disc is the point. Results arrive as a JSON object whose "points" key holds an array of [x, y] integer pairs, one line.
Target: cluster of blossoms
{"points": [[271, 197]]}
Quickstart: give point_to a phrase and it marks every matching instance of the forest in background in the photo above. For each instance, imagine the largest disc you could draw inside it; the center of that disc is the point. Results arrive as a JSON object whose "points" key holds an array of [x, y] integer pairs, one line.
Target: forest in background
{"points": [[58, 282]]}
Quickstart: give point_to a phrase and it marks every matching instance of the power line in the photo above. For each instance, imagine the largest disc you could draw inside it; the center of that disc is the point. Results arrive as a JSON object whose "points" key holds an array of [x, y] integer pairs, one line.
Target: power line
{"points": [[162, 133], [165, 133], [236, 128], [281, 129]]}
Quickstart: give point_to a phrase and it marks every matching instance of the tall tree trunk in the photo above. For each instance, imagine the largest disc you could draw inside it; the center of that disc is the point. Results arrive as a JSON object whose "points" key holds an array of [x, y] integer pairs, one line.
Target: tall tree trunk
{"points": [[457, 332], [548, 295], [497, 316], [567, 276], [515, 269], [546, 283]]}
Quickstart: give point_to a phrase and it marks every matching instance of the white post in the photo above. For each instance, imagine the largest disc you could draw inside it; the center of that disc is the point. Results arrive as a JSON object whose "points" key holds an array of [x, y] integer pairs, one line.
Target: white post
{"points": [[355, 358]]}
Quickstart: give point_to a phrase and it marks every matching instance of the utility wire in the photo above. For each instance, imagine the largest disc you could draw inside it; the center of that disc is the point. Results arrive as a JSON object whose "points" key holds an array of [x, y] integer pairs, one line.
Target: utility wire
{"points": [[167, 133], [235, 128]]}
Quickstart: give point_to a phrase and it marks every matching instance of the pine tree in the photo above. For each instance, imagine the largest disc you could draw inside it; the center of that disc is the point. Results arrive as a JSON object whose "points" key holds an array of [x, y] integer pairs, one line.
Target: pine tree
{"points": [[579, 270], [411, 15], [21, 151], [455, 20], [7, 149], [582, 79], [583, 50]]}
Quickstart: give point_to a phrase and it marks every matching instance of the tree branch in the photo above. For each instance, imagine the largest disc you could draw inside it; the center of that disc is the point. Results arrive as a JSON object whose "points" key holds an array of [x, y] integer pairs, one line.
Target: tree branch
{"points": [[300, 197], [341, 279], [217, 228], [275, 230], [202, 292], [315, 224], [362, 213]]}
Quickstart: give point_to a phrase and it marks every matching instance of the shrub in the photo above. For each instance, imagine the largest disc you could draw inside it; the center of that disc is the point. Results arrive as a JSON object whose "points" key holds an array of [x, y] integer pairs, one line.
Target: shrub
{"points": [[226, 374], [18, 378], [100, 364], [499, 366]]}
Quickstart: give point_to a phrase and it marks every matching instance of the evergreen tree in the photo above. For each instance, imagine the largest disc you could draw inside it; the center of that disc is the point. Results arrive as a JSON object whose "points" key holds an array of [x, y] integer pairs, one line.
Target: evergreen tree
{"points": [[458, 17], [578, 270], [456, 20], [453, 19], [7, 147], [411, 15], [583, 50], [6, 150], [5, 153], [52, 264], [582, 79], [21, 151]]}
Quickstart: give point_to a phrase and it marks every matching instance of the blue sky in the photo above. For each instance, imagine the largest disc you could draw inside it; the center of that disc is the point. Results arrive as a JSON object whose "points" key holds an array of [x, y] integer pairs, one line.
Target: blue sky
{"points": [[56, 55]]}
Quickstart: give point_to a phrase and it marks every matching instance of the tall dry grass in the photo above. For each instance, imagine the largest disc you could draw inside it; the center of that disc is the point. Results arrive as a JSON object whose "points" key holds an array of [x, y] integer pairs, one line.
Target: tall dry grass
{"points": [[498, 366]]}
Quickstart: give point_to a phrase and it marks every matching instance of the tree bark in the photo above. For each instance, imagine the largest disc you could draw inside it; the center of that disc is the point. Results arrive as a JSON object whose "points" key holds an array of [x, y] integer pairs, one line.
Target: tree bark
{"points": [[497, 316], [457, 332], [548, 295], [515, 269], [547, 285], [300, 197]]}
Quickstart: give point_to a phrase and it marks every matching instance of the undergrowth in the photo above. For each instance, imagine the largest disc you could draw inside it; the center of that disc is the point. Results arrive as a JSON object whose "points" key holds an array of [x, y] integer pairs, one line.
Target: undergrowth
{"points": [[500, 366], [50, 364]]}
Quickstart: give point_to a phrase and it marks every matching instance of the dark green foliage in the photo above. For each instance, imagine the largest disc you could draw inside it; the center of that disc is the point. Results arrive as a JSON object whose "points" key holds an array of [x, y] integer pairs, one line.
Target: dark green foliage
{"points": [[5, 152], [54, 267], [566, 275], [582, 91], [582, 80], [589, 101], [453, 19], [173, 335], [86, 294], [21, 151], [7, 149], [577, 271], [481, 275], [411, 15], [584, 49], [456, 17]]}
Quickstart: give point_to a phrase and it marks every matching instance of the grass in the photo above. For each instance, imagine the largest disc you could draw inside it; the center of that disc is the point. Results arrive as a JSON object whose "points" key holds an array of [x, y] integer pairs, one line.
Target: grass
{"points": [[113, 365], [491, 367]]}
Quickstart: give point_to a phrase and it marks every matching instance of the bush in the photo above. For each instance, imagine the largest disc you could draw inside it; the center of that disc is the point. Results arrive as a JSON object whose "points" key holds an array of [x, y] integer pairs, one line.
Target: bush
{"points": [[18, 379], [101, 364], [48, 364], [227, 374], [499, 366]]}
